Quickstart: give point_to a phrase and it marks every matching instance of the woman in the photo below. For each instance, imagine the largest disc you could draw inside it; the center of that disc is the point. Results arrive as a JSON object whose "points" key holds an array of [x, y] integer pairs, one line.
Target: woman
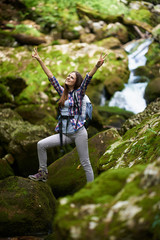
{"points": [[70, 124]]}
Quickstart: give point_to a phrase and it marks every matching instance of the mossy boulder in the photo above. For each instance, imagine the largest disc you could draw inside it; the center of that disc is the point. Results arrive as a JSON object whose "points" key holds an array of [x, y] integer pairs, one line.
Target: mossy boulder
{"points": [[117, 30], [15, 84], [5, 95], [153, 59], [66, 175], [113, 116], [26, 207], [20, 138], [5, 169], [152, 90], [37, 113], [138, 145], [119, 204], [110, 43], [156, 32], [134, 120], [6, 40]]}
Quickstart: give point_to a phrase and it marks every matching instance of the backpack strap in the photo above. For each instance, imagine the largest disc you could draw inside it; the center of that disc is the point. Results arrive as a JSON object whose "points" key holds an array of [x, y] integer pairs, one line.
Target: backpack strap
{"points": [[76, 105]]}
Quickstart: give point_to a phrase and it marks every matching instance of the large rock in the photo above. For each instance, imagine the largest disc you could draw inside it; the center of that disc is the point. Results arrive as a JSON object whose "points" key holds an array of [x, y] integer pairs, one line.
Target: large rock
{"points": [[153, 59], [156, 32], [5, 169], [120, 204], [138, 145], [152, 90], [117, 30], [133, 121], [15, 84], [26, 207], [20, 139], [110, 43], [5, 95], [66, 175]]}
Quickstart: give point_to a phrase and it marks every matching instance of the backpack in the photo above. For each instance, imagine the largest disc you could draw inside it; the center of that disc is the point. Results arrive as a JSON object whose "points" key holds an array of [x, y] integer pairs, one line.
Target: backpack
{"points": [[87, 108]]}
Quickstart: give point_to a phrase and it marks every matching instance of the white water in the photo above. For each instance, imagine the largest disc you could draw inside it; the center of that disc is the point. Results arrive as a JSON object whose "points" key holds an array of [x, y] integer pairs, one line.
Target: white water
{"points": [[131, 97]]}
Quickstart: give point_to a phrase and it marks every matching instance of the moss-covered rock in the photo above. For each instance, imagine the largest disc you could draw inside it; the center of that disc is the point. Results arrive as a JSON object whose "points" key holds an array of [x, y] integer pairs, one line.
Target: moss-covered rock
{"points": [[110, 43], [113, 116], [66, 175], [5, 169], [118, 30], [5, 95], [20, 138], [133, 121], [26, 207], [15, 84], [153, 59], [119, 204], [156, 32], [152, 90], [137, 145], [36, 113]]}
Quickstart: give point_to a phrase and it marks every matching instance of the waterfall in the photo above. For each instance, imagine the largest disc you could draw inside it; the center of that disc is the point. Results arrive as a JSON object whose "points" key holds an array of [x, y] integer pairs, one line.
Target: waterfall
{"points": [[131, 97]]}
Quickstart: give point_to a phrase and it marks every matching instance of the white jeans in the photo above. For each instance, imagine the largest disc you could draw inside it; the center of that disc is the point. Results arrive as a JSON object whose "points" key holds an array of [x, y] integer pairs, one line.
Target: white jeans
{"points": [[81, 140]]}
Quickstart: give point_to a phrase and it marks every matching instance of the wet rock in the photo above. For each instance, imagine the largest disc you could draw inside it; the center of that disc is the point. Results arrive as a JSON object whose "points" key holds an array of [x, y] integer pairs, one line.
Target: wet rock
{"points": [[138, 145], [67, 176], [150, 110], [117, 30], [152, 91], [72, 32], [110, 43], [15, 84], [5, 95], [5, 169], [156, 32], [115, 198], [26, 207], [20, 139], [87, 37], [38, 114], [153, 60]]}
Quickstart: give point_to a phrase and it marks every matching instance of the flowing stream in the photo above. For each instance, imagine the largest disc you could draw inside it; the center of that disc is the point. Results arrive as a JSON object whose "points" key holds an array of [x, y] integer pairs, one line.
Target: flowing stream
{"points": [[131, 97]]}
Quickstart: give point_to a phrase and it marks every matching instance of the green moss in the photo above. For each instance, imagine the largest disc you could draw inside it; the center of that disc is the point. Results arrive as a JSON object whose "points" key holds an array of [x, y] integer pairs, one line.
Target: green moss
{"points": [[5, 95], [153, 55], [138, 145], [63, 13], [142, 15], [26, 29], [109, 202], [5, 169], [114, 111]]}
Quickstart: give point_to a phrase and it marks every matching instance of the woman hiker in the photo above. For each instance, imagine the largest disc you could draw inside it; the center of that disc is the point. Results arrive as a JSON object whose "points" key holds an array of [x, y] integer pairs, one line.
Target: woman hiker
{"points": [[70, 124]]}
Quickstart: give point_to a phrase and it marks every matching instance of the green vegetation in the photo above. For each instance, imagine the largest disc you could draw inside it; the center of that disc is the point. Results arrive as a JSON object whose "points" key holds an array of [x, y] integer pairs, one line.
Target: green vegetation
{"points": [[27, 29]]}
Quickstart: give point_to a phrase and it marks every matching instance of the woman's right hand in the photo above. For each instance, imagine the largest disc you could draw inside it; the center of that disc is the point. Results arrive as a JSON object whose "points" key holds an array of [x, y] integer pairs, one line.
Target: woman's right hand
{"points": [[36, 55]]}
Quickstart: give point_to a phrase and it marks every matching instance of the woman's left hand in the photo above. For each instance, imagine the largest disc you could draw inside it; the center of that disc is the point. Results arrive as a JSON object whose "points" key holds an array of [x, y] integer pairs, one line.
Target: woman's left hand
{"points": [[101, 60]]}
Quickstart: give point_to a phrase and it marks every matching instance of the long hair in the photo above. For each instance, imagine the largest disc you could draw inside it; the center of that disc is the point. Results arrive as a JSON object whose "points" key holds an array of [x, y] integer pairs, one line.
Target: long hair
{"points": [[78, 82]]}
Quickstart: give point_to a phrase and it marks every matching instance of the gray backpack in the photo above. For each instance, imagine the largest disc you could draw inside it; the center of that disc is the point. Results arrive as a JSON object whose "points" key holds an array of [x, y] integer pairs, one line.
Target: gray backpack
{"points": [[87, 109]]}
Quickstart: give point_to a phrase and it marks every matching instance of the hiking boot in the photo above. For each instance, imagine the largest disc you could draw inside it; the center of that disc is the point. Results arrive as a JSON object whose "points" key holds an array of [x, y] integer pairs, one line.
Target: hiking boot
{"points": [[40, 176]]}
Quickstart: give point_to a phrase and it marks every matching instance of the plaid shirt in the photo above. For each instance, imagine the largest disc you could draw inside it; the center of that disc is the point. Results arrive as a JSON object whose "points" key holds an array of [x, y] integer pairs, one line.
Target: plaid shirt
{"points": [[80, 92]]}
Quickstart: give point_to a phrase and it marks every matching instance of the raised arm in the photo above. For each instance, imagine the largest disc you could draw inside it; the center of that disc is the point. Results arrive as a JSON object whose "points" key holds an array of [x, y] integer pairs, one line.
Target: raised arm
{"points": [[98, 65], [45, 69], [88, 77], [49, 74]]}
